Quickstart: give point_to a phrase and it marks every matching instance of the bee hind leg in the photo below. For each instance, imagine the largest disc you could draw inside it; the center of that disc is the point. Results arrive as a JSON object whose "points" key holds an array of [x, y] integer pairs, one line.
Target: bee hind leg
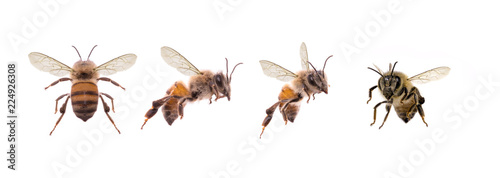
{"points": [[419, 100], [269, 112], [106, 110], [156, 104], [110, 98], [59, 98], [62, 110], [422, 114]]}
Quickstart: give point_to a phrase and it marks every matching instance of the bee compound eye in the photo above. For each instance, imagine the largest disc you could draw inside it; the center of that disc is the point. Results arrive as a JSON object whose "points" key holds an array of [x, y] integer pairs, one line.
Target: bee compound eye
{"points": [[310, 78], [218, 79]]}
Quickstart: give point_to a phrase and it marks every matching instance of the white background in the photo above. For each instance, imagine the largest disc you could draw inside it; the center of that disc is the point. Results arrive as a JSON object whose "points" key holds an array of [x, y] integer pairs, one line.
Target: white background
{"points": [[331, 136]]}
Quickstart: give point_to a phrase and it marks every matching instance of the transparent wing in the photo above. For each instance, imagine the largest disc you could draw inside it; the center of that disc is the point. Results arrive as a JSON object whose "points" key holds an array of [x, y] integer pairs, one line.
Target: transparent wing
{"points": [[430, 75], [303, 57], [176, 60], [121, 63], [48, 64], [276, 71]]}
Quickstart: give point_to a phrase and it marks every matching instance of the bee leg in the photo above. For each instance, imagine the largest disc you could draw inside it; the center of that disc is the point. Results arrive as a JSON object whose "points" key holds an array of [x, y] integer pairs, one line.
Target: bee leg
{"points": [[375, 111], [285, 110], [106, 110], [57, 81], [109, 80], [405, 91], [59, 98], [308, 95], [269, 112], [282, 111], [388, 108], [62, 110], [214, 92], [156, 104], [419, 100], [314, 96], [370, 94], [111, 98], [181, 107], [422, 114]]}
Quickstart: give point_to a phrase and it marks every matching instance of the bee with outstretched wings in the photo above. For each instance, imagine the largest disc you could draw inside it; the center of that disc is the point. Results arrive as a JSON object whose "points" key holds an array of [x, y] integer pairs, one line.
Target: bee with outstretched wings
{"points": [[84, 75], [202, 85], [306, 82]]}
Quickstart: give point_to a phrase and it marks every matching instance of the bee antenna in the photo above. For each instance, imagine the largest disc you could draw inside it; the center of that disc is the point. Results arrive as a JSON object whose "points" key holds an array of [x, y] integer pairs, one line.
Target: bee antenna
{"points": [[227, 70], [91, 52], [324, 65], [393, 67], [78, 53], [313, 66], [231, 76], [376, 71]]}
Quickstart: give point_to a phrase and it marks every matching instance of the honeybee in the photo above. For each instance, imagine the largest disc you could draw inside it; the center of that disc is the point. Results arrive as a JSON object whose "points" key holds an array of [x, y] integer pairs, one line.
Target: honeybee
{"points": [[306, 82], [84, 76], [398, 90], [202, 85]]}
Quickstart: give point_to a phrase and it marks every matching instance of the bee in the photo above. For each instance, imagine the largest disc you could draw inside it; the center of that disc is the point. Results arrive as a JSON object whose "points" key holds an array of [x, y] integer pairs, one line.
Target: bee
{"points": [[84, 76], [398, 90], [306, 82], [202, 85]]}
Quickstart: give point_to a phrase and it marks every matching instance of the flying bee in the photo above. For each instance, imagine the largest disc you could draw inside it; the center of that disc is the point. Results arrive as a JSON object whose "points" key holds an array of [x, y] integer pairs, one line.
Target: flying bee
{"points": [[398, 90], [84, 76], [306, 82], [202, 85]]}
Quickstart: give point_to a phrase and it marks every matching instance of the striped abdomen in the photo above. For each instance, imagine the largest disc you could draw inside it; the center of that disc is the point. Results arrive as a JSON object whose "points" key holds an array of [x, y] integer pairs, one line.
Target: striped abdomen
{"points": [[171, 108], [84, 98]]}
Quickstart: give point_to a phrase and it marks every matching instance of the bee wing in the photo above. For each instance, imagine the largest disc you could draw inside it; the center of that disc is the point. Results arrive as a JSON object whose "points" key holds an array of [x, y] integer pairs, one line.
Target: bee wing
{"points": [[430, 75], [276, 71], [121, 63], [303, 56], [176, 60], [48, 64]]}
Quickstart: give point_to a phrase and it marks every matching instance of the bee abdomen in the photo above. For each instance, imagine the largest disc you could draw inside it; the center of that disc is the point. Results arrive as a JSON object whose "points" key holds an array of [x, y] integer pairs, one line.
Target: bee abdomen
{"points": [[291, 111], [84, 98], [171, 110]]}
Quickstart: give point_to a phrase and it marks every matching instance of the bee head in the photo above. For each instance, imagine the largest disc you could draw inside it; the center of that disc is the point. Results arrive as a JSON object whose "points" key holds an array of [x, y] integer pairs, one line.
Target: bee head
{"points": [[84, 69], [389, 82], [223, 82], [317, 78]]}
